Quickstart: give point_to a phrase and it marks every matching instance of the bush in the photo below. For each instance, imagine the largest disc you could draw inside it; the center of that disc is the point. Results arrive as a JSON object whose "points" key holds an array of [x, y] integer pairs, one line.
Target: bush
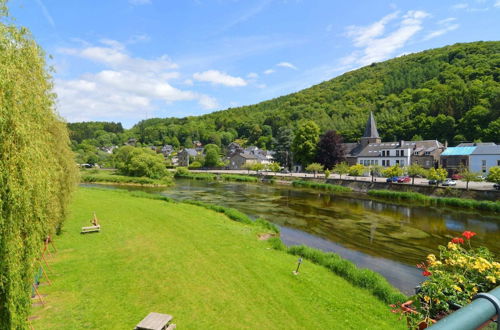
{"points": [[195, 165], [184, 173], [438, 201], [112, 178], [239, 178], [320, 186]]}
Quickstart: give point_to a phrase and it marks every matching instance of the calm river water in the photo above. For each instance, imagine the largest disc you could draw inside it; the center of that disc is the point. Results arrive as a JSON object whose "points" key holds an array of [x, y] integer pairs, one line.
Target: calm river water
{"points": [[384, 237]]}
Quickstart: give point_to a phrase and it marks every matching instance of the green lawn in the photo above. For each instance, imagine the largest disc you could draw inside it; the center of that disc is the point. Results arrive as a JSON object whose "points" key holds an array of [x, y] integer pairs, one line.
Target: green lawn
{"points": [[204, 269]]}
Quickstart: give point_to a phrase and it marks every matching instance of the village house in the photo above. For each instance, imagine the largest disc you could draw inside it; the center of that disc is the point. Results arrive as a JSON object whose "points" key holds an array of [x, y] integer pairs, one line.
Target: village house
{"points": [[239, 156], [484, 157], [370, 150], [185, 156], [238, 161], [167, 149], [476, 157]]}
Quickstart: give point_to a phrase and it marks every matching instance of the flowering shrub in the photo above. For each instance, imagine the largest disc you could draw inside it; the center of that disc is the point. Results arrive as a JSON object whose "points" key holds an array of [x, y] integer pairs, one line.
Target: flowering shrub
{"points": [[457, 275]]}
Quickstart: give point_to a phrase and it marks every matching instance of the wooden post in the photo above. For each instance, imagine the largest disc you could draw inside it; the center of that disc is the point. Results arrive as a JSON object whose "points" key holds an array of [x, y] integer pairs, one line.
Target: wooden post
{"points": [[53, 245], [45, 274], [38, 294], [43, 256]]}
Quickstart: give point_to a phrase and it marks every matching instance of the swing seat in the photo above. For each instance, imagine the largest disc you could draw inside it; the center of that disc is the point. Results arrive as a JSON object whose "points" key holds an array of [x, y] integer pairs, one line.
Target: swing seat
{"points": [[91, 229]]}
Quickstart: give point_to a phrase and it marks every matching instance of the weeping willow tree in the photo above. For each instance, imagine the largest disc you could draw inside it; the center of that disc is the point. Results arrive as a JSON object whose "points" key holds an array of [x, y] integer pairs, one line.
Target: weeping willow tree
{"points": [[37, 171]]}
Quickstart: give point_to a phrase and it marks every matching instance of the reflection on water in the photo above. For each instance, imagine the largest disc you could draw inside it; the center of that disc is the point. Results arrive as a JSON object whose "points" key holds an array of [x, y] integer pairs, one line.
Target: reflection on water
{"points": [[385, 237]]}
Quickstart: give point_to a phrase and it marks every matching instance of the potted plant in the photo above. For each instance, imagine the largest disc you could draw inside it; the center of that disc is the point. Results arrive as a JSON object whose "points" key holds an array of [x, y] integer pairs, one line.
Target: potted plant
{"points": [[454, 277]]}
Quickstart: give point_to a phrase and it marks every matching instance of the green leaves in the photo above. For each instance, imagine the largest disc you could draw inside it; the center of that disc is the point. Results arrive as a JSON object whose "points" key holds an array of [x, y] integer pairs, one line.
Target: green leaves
{"points": [[37, 169]]}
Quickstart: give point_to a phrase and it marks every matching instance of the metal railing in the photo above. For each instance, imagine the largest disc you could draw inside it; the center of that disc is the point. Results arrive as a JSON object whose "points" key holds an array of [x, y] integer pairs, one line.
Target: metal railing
{"points": [[484, 307]]}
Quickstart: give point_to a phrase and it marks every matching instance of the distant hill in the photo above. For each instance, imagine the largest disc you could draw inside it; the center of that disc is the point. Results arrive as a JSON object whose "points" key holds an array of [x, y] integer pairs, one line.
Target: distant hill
{"points": [[450, 93]]}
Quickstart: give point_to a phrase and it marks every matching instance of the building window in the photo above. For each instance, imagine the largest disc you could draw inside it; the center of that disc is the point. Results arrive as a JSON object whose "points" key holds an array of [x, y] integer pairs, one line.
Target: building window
{"points": [[483, 162], [427, 163], [383, 153], [388, 162], [498, 162], [397, 153], [402, 153], [397, 162]]}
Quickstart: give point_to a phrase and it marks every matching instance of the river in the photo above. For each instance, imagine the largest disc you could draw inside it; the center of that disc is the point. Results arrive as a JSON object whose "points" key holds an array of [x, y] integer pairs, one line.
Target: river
{"points": [[385, 237]]}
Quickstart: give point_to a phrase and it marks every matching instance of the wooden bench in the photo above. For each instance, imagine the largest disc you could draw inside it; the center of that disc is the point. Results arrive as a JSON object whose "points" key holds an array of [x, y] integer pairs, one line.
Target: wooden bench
{"points": [[90, 229], [156, 321]]}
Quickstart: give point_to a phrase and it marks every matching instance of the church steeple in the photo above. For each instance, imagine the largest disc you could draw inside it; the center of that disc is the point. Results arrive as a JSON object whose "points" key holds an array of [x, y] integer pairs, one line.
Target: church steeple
{"points": [[371, 133], [371, 128]]}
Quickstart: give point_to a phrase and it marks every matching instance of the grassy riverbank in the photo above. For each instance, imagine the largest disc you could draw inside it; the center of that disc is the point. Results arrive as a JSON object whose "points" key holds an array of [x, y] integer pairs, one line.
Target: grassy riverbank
{"points": [[196, 264], [105, 176], [320, 186], [438, 201]]}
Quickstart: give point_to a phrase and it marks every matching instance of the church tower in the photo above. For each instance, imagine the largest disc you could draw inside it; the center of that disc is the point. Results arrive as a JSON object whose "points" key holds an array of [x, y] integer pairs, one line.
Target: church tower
{"points": [[371, 133]]}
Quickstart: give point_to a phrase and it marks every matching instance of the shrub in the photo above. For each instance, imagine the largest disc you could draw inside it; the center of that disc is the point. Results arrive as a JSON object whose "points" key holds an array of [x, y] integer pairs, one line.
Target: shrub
{"points": [[194, 165], [320, 186], [239, 178], [438, 201], [184, 173]]}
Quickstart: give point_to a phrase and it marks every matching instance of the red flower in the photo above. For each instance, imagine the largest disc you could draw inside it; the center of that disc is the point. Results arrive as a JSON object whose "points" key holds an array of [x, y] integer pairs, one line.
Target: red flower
{"points": [[426, 273], [458, 240], [468, 234]]}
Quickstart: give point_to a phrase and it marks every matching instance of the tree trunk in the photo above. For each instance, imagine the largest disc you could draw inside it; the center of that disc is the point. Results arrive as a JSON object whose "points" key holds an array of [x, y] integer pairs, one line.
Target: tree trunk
{"points": [[467, 185], [412, 180]]}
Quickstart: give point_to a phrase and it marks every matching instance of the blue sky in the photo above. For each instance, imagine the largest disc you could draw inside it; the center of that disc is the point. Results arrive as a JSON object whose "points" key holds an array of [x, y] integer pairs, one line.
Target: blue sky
{"points": [[127, 60]]}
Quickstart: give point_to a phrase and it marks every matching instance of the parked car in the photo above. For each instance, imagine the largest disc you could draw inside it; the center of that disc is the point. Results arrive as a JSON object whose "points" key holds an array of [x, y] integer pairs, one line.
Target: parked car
{"points": [[496, 186], [435, 182], [393, 179], [481, 177], [456, 176], [403, 179], [449, 182]]}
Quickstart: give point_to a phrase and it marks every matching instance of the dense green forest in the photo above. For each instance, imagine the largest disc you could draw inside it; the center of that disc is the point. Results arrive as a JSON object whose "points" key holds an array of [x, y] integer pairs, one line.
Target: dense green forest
{"points": [[450, 93]]}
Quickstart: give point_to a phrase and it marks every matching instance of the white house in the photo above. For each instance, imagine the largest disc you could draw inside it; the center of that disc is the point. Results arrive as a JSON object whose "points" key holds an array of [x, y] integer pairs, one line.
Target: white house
{"points": [[484, 157]]}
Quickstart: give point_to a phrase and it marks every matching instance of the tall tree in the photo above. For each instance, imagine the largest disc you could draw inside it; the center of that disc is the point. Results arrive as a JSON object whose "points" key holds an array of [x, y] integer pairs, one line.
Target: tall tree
{"points": [[37, 168], [305, 142], [283, 147], [330, 149]]}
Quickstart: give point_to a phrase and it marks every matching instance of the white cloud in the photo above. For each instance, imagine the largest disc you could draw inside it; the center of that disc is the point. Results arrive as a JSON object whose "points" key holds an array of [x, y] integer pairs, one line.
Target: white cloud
{"points": [[252, 75], [376, 44], [440, 32], [448, 20], [126, 87], [269, 71], [460, 6], [139, 2], [497, 4], [287, 65], [208, 102], [219, 78], [114, 55], [46, 13]]}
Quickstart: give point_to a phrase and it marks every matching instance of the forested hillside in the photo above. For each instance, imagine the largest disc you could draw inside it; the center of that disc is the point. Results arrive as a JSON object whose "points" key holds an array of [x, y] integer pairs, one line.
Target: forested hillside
{"points": [[450, 93]]}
